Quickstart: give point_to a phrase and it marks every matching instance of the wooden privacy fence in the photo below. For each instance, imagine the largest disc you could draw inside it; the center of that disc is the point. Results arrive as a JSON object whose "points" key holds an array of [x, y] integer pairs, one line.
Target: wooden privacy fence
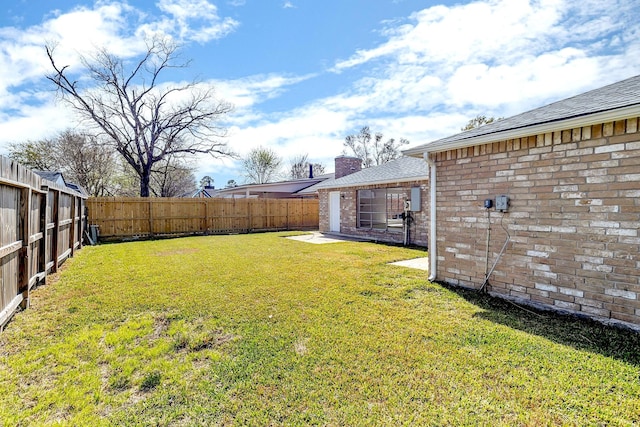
{"points": [[41, 225], [136, 217]]}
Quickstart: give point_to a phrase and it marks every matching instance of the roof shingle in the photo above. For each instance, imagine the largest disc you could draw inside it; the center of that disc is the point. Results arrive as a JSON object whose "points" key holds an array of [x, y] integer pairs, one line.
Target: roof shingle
{"points": [[402, 169]]}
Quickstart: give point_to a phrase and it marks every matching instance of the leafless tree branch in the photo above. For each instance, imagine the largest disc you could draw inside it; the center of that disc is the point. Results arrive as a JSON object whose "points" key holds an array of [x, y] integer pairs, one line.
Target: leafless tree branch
{"points": [[145, 121]]}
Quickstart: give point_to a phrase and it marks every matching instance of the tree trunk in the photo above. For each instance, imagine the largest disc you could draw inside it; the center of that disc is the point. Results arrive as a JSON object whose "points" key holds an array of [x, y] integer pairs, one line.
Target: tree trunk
{"points": [[145, 179]]}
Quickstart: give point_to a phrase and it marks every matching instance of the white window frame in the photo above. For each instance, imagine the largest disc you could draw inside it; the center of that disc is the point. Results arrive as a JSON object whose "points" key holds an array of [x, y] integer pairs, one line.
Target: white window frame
{"points": [[380, 208]]}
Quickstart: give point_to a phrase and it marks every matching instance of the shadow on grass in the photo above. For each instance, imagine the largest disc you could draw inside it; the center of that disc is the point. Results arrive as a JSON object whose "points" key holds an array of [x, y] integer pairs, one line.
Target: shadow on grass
{"points": [[567, 329]]}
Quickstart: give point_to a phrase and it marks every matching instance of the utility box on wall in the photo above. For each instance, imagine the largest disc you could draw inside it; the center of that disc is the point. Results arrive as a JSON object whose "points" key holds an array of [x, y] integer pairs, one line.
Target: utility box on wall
{"points": [[502, 203], [415, 199]]}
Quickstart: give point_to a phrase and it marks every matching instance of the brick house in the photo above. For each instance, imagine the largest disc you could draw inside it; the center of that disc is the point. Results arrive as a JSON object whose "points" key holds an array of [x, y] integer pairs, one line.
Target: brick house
{"points": [[370, 203], [566, 236]]}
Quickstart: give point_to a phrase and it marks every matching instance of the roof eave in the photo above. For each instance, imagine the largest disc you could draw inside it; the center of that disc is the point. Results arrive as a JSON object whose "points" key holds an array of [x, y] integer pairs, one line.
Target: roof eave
{"points": [[381, 182], [270, 185], [570, 123]]}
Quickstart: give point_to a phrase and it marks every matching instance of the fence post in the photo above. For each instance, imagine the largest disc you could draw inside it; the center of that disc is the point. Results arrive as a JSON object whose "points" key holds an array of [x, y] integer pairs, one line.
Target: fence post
{"points": [[72, 230], [150, 218], [206, 217], [55, 212], [42, 255], [81, 222], [287, 215], [24, 233]]}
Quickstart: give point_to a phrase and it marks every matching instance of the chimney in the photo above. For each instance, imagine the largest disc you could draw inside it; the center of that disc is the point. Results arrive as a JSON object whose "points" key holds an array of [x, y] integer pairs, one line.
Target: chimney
{"points": [[310, 170], [346, 165]]}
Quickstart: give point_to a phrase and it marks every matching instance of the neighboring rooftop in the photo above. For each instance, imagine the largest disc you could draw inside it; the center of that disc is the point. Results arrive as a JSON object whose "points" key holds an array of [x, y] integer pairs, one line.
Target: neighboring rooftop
{"points": [[614, 97], [281, 189], [205, 192], [53, 176], [398, 170], [58, 178]]}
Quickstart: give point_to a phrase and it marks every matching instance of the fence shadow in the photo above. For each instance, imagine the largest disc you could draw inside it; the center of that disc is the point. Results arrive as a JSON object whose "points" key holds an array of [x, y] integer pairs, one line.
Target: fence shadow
{"points": [[567, 329]]}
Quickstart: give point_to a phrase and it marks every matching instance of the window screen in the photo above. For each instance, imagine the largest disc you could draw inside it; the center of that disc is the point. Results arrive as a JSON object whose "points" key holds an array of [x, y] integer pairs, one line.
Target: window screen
{"points": [[380, 209]]}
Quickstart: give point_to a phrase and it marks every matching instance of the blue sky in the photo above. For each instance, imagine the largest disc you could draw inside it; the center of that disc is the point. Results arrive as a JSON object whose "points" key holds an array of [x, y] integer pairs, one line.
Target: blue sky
{"points": [[303, 74]]}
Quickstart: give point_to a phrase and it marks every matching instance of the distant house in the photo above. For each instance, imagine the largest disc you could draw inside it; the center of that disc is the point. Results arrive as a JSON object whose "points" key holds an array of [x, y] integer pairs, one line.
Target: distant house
{"points": [[58, 178], [206, 192], [273, 190], [370, 203], [544, 207]]}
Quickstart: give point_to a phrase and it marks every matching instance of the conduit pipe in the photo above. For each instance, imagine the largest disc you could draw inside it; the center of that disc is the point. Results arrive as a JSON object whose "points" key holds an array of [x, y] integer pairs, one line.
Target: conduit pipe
{"points": [[486, 255], [433, 253]]}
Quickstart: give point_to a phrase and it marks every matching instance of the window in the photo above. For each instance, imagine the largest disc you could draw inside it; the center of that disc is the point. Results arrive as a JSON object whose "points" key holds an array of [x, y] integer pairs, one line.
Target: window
{"points": [[381, 209]]}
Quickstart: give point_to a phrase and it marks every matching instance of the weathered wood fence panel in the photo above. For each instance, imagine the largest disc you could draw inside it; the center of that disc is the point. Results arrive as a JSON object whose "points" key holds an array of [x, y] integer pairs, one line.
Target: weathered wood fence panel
{"points": [[41, 224], [129, 218]]}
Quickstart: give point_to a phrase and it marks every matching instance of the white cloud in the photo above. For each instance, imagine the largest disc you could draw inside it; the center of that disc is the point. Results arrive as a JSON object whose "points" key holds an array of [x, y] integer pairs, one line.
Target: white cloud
{"points": [[436, 69], [116, 25], [445, 65], [316, 129], [33, 123], [249, 91], [77, 32], [474, 31], [191, 20], [496, 54]]}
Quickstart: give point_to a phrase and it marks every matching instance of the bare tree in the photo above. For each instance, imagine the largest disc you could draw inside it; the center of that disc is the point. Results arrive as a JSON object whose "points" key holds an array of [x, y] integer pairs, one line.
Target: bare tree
{"points": [[126, 181], [300, 167], [145, 121], [172, 177], [373, 150], [79, 156], [478, 121], [87, 162], [261, 165]]}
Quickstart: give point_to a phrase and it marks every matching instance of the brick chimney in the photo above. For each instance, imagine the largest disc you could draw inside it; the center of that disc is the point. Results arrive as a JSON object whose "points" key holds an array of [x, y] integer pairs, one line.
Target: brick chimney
{"points": [[346, 165]]}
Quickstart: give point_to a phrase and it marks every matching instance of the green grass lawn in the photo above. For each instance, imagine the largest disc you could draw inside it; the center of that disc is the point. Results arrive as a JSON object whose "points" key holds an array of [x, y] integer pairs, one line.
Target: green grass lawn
{"points": [[262, 330]]}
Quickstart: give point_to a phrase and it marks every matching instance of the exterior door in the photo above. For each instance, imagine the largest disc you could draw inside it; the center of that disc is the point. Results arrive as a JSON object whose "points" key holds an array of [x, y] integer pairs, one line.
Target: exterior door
{"points": [[334, 211]]}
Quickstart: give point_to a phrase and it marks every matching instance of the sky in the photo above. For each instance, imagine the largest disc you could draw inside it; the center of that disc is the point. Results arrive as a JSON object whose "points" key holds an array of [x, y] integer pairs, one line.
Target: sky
{"points": [[304, 74]]}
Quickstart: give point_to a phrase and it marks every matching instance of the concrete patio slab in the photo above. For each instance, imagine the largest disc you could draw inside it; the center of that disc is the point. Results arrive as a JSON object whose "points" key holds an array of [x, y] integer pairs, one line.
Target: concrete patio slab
{"points": [[417, 263], [318, 238]]}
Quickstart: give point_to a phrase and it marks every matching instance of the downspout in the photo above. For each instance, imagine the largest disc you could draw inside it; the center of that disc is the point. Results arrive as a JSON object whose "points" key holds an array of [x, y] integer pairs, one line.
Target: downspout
{"points": [[432, 220]]}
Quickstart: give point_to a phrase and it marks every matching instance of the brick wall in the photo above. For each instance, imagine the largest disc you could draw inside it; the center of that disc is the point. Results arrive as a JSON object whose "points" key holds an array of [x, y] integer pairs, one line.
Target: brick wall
{"points": [[574, 219], [349, 209]]}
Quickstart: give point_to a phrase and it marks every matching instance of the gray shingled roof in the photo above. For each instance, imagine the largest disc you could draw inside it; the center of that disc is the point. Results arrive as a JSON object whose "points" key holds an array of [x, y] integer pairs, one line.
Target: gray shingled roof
{"points": [[398, 170], [611, 97], [53, 176]]}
